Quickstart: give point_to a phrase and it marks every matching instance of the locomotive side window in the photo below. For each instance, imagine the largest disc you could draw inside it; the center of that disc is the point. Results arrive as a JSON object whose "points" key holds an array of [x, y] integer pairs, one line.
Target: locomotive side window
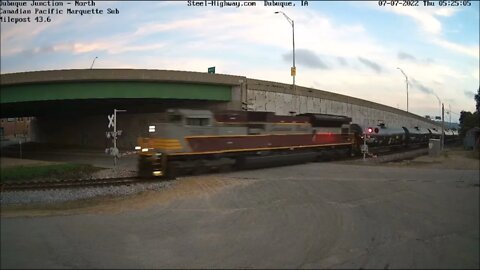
{"points": [[198, 121], [174, 118]]}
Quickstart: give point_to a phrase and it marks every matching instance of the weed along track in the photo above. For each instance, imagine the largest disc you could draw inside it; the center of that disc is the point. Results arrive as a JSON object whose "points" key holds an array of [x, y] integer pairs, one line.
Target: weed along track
{"points": [[58, 184]]}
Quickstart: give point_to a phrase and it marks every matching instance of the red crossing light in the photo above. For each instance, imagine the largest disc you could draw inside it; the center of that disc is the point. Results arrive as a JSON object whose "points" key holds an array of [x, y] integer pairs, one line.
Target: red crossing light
{"points": [[369, 130]]}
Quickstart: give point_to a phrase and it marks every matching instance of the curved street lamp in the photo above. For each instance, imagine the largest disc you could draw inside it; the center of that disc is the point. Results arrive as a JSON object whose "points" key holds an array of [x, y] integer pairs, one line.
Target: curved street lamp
{"points": [[294, 69], [406, 79], [93, 62], [440, 104]]}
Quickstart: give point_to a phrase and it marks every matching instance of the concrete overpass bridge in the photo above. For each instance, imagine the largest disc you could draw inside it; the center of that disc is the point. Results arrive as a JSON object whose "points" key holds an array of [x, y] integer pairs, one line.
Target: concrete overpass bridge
{"points": [[71, 106]]}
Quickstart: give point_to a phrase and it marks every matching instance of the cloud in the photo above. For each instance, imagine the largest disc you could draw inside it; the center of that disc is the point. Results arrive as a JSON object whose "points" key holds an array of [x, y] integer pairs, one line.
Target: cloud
{"points": [[476, 73], [34, 51], [467, 50], [261, 26], [77, 48], [114, 48], [432, 26], [342, 61], [113, 45], [421, 87], [445, 11], [406, 56], [426, 20], [469, 94], [376, 67], [425, 17], [306, 58]]}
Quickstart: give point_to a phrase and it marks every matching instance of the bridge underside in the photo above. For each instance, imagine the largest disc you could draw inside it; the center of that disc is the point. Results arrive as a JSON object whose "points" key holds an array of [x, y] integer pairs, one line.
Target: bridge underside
{"points": [[56, 108], [87, 98]]}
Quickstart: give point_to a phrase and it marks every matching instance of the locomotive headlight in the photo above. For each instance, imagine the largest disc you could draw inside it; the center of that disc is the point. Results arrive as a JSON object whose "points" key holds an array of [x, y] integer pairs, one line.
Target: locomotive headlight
{"points": [[151, 129], [138, 147], [157, 173], [144, 149]]}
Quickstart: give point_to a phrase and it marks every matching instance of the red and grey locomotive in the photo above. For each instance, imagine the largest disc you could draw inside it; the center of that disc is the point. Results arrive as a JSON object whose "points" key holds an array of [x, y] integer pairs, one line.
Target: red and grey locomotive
{"points": [[192, 141]]}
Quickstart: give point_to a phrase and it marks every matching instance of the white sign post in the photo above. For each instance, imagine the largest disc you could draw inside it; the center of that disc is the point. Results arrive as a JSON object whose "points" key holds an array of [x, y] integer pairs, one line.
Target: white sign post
{"points": [[112, 122], [364, 147]]}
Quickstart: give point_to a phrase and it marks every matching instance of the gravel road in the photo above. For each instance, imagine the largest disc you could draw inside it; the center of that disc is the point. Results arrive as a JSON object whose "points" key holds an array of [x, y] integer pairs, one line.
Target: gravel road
{"points": [[316, 215]]}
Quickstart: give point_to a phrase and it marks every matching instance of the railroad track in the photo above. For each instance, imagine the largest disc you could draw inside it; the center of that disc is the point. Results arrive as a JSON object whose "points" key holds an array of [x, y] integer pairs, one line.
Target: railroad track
{"points": [[130, 180], [59, 184]]}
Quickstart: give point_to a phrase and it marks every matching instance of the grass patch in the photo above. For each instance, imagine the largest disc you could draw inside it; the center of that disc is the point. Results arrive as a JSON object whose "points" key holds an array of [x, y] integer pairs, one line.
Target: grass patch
{"points": [[474, 154], [44, 172]]}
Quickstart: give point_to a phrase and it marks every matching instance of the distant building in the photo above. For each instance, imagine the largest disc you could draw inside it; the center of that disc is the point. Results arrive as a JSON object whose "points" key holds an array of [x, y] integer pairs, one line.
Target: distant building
{"points": [[15, 127]]}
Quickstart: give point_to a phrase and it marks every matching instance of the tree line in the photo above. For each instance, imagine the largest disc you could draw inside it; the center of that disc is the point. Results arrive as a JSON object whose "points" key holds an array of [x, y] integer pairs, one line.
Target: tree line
{"points": [[469, 120]]}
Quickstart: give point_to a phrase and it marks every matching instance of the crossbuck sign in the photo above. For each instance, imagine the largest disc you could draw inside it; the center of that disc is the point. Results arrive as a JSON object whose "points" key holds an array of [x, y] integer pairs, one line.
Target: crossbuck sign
{"points": [[112, 122]]}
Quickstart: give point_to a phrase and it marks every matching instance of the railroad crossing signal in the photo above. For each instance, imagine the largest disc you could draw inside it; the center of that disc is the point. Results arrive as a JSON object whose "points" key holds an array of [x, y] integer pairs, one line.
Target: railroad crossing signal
{"points": [[113, 134], [113, 151], [364, 148], [111, 120]]}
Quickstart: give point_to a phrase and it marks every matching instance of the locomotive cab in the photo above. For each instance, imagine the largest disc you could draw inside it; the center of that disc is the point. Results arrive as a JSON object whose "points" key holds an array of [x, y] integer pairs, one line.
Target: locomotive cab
{"points": [[188, 141], [166, 137]]}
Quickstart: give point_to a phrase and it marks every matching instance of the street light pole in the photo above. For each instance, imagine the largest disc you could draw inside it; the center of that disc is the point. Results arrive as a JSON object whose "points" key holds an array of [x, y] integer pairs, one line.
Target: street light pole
{"points": [[442, 138], [293, 45], [294, 69], [93, 62], [406, 79], [443, 128], [449, 115], [439, 103]]}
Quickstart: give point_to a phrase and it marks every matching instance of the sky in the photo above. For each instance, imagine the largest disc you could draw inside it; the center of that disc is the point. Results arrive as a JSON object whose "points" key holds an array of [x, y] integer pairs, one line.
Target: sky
{"points": [[353, 48]]}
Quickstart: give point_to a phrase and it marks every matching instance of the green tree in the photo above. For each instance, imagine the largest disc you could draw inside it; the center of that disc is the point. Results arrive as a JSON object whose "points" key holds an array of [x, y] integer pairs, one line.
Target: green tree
{"points": [[465, 122], [469, 120], [477, 99]]}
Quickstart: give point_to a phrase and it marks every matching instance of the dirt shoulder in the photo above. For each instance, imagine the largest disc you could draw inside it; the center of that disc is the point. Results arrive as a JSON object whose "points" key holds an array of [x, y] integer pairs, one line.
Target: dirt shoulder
{"points": [[454, 158]]}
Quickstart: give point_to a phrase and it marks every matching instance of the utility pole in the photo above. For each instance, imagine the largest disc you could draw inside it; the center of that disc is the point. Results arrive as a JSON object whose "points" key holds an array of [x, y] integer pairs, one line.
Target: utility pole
{"points": [[443, 129], [364, 149]]}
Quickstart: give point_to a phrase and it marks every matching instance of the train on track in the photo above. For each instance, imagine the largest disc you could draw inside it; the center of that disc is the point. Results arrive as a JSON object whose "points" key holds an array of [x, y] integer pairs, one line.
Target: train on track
{"points": [[186, 141]]}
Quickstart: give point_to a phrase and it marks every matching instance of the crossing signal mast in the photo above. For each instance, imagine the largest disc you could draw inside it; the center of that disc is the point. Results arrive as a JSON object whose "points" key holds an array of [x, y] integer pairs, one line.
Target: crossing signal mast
{"points": [[112, 122], [365, 146]]}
